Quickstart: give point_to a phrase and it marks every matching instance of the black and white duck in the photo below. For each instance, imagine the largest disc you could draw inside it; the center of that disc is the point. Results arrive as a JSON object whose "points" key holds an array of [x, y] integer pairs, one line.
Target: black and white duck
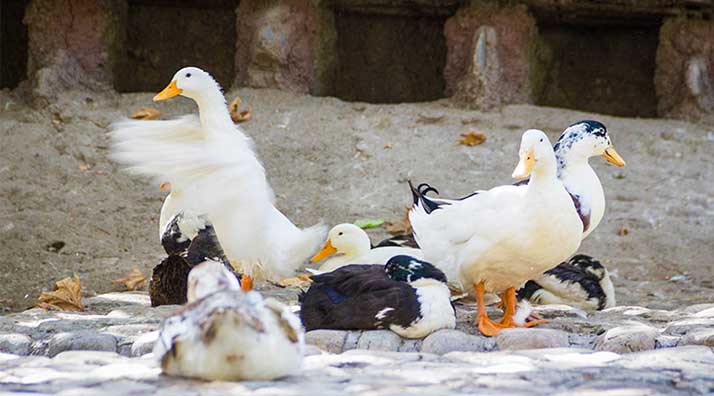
{"points": [[407, 296]]}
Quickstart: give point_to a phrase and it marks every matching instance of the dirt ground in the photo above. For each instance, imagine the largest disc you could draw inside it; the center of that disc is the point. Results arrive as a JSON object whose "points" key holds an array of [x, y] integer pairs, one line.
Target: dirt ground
{"points": [[64, 207]]}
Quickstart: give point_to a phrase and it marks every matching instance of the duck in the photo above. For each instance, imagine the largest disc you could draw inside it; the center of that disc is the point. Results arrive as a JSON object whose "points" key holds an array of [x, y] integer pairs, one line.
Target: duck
{"points": [[406, 295], [351, 245], [581, 282], [497, 239], [225, 333], [213, 171], [168, 283]]}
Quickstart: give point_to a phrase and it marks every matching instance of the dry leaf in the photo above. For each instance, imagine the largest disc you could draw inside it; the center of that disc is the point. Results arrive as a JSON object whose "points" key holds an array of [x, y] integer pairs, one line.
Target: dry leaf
{"points": [[133, 280], [84, 167], [236, 114], [623, 231], [298, 281], [400, 227], [472, 138], [66, 296], [388, 145], [146, 113]]}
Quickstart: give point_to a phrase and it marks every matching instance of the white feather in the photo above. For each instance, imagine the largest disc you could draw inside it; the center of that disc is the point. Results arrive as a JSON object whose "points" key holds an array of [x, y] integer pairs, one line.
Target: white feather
{"points": [[435, 306]]}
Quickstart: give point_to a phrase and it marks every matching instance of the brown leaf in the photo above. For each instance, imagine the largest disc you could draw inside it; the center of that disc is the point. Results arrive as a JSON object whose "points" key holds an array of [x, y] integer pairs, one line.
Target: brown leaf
{"points": [[623, 231], [66, 296], [133, 280], [146, 113], [236, 114], [84, 167], [472, 138], [402, 226]]}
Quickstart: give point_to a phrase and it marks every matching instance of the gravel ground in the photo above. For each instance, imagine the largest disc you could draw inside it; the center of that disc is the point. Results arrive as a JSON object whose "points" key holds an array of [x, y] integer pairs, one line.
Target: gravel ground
{"points": [[66, 208]]}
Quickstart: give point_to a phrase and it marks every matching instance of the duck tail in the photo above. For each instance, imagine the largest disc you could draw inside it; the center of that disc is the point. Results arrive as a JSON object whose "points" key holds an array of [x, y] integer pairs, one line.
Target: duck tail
{"points": [[420, 198]]}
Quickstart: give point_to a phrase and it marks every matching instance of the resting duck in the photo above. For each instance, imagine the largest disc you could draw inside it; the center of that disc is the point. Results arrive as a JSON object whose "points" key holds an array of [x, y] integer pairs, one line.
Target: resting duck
{"points": [[352, 246], [168, 284], [407, 296], [496, 240], [214, 172], [228, 334], [581, 282]]}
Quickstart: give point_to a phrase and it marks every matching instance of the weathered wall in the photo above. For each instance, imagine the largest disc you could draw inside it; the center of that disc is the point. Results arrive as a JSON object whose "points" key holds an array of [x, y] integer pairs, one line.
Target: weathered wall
{"points": [[685, 69]]}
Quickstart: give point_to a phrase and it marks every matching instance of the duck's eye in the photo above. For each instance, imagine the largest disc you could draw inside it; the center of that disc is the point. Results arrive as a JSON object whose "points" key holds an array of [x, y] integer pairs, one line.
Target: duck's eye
{"points": [[188, 75], [340, 233], [541, 140]]}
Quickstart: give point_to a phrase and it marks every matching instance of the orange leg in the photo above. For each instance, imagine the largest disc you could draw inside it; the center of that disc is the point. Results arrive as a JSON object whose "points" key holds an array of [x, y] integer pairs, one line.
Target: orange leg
{"points": [[246, 282], [508, 298], [485, 325]]}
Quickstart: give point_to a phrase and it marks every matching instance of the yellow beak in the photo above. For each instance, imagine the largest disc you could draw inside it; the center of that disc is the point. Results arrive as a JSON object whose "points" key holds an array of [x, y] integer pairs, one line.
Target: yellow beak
{"points": [[611, 156], [169, 92], [525, 165], [326, 251]]}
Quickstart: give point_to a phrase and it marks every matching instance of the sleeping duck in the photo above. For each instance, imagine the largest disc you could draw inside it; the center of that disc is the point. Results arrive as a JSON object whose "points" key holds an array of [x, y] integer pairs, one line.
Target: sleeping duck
{"points": [[498, 239], [168, 284], [352, 246], [214, 172], [407, 296], [581, 282], [225, 333]]}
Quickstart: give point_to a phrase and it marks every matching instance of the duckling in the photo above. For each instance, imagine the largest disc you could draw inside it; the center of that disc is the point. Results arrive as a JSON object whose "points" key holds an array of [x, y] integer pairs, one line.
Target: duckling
{"points": [[225, 333], [581, 282], [213, 171], [407, 296], [168, 279], [353, 246]]}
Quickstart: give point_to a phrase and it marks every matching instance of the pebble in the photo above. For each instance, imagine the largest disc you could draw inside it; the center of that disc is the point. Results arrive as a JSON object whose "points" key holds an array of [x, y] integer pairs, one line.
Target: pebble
{"points": [[681, 327], [520, 338], [379, 340], [623, 339], [328, 340], [16, 344], [81, 341], [144, 344], [703, 336], [450, 340]]}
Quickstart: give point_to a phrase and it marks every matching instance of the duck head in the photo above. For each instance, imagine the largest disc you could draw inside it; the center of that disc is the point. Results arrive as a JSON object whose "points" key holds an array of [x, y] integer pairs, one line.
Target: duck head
{"points": [[190, 82], [583, 140], [535, 154], [345, 239], [209, 277], [405, 268]]}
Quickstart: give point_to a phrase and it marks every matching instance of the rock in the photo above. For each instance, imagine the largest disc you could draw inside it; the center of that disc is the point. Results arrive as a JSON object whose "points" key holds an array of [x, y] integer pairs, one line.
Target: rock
{"points": [[665, 341], [703, 336], [311, 350], [328, 340], [625, 339], [286, 44], [449, 340], [144, 344], [17, 344], [519, 338], [681, 327], [705, 313], [81, 341], [379, 340]]}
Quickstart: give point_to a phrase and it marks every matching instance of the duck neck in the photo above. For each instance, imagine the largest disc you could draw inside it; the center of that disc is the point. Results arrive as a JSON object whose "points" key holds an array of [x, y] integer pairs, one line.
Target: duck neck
{"points": [[543, 175], [212, 110]]}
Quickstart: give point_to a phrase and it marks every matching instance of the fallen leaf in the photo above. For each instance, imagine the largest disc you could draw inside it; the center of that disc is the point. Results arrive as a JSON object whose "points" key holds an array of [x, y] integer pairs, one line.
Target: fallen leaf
{"points": [[84, 167], [388, 145], [298, 281], [66, 296], [366, 224], [472, 138], [402, 226], [623, 231], [146, 113], [133, 280], [236, 114]]}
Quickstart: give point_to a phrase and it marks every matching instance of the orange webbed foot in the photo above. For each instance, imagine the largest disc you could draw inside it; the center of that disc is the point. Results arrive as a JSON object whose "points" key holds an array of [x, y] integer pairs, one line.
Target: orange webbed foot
{"points": [[246, 283]]}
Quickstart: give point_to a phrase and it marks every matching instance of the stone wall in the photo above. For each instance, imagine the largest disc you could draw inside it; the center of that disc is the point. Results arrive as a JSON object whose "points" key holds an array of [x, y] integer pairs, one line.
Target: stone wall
{"points": [[604, 56]]}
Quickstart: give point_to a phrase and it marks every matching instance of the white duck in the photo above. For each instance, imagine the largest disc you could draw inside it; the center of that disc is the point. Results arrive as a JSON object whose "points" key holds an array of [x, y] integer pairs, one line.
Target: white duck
{"points": [[352, 246], [227, 334], [213, 171], [498, 239]]}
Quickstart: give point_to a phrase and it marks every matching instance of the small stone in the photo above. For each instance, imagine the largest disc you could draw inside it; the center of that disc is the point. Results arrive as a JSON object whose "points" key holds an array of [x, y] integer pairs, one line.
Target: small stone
{"points": [[701, 336], [665, 341], [449, 340], [17, 344], [81, 341], [144, 344], [379, 340], [328, 340], [681, 327], [516, 339], [627, 339]]}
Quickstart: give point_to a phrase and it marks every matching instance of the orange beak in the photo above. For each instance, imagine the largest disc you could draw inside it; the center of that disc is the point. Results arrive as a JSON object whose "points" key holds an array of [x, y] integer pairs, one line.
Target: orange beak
{"points": [[613, 157], [169, 92], [326, 251], [525, 165]]}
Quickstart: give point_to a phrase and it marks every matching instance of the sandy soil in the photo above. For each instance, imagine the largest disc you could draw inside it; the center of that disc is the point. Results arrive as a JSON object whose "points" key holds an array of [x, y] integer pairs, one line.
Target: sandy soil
{"points": [[335, 161]]}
